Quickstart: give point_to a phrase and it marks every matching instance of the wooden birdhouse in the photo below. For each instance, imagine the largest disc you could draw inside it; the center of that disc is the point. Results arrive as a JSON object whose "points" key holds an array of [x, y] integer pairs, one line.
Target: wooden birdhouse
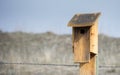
{"points": [[85, 36]]}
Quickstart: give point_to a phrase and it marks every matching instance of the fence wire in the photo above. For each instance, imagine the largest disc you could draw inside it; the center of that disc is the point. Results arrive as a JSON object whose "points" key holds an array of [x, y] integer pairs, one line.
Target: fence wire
{"points": [[64, 65]]}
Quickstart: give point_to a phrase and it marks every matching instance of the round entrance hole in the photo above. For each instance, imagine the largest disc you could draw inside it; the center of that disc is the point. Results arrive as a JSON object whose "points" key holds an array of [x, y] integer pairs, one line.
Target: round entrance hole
{"points": [[82, 31]]}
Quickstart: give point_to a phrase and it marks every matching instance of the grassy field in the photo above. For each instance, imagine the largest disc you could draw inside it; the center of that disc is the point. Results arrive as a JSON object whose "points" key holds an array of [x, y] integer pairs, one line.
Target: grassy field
{"points": [[50, 48]]}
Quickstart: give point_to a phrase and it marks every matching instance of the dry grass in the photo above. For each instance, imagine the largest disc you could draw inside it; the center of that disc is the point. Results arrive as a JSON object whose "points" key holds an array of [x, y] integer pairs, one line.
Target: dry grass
{"points": [[19, 47]]}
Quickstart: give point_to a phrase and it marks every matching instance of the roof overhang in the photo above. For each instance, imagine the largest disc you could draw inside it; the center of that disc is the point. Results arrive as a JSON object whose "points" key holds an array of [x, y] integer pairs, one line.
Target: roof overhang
{"points": [[83, 20]]}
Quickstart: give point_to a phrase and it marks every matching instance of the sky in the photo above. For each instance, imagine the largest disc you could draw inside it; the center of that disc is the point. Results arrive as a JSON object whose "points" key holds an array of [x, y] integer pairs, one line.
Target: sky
{"points": [[40, 16]]}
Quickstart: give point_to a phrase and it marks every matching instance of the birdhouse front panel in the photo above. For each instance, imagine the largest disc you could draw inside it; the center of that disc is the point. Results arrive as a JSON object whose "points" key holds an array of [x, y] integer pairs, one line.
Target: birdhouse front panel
{"points": [[81, 44]]}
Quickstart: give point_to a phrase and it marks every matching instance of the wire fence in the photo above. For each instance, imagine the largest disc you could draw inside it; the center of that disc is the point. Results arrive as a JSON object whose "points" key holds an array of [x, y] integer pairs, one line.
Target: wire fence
{"points": [[64, 65], [69, 65]]}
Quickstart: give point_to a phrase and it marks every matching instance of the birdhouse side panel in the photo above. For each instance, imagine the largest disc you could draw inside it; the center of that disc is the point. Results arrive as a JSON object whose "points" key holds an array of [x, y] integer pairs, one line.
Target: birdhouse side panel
{"points": [[94, 38]]}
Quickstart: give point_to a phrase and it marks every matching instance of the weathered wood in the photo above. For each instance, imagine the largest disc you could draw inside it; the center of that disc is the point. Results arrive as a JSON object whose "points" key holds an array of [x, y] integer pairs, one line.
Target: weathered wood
{"points": [[73, 39], [80, 25], [85, 41], [94, 38], [82, 20], [81, 44], [89, 68]]}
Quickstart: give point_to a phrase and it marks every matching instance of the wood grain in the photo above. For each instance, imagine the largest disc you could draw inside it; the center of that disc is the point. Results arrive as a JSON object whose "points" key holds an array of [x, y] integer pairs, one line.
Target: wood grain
{"points": [[94, 38], [81, 44], [89, 68]]}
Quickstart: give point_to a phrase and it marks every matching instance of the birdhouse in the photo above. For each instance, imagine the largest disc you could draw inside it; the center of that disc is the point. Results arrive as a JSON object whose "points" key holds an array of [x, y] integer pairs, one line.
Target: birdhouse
{"points": [[84, 35]]}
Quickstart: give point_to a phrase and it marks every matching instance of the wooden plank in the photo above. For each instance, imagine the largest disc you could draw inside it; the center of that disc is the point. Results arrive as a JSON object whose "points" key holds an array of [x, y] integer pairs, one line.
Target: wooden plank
{"points": [[81, 44], [73, 39], [94, 38], [89, 68]]}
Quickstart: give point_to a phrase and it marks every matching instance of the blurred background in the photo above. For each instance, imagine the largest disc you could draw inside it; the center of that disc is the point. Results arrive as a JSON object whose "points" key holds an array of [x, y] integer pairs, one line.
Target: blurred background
{"points": [[34, 32]]}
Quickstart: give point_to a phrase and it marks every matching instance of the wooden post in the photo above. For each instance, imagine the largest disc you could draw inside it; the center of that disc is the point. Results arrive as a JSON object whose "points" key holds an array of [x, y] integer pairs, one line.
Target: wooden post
{"points": [[85, 41], [89, 68]]}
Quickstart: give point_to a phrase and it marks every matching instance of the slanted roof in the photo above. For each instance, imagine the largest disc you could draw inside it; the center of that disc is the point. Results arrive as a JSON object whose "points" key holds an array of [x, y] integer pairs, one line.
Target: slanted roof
{"points": [[81, 20]]}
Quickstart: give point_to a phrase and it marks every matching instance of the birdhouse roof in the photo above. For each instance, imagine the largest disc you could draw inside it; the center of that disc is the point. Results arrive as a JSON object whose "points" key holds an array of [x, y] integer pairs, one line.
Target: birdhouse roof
{"points": [[81, 20]]}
